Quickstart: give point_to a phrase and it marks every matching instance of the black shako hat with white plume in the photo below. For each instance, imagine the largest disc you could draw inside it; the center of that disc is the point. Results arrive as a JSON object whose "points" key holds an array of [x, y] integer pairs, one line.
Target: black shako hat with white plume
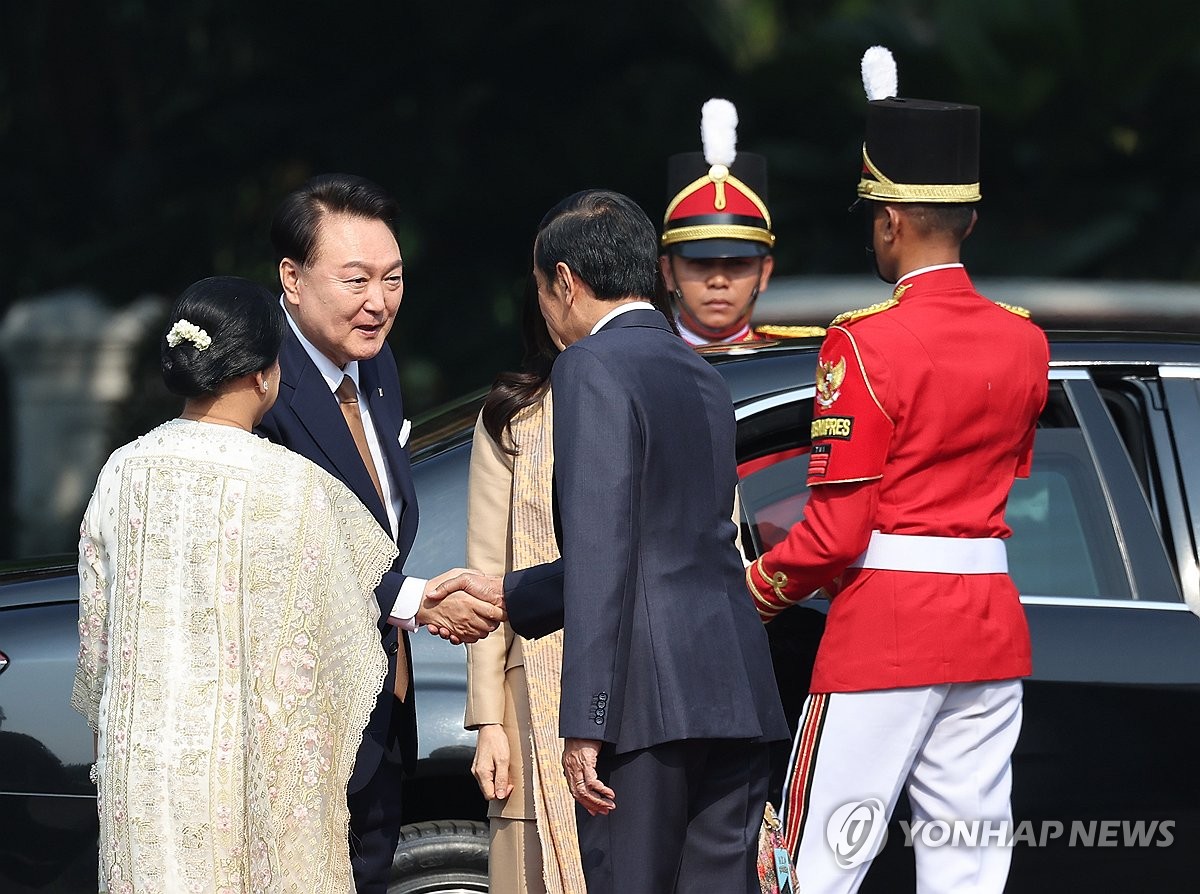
{"points": [[916, 150]]}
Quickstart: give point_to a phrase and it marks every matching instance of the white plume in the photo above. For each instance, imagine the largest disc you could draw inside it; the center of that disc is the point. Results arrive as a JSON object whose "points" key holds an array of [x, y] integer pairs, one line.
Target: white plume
{"points": [[879, 73], [718, 131]]}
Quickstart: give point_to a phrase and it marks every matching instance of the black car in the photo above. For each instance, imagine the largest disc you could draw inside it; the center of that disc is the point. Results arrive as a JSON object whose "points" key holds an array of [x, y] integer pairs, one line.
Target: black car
{"points": [[1104, 550]]}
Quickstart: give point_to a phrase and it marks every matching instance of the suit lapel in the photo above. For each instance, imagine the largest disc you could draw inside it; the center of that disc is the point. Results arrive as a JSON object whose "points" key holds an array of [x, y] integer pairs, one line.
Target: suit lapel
{"points": [[317, 409], [387, 413]]}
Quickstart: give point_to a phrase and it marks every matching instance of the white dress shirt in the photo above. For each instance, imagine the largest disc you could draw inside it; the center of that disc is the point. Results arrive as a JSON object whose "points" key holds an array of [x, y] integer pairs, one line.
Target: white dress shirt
{"points": [[697, 341], [408, 600], [921, 270], [620, 309]]}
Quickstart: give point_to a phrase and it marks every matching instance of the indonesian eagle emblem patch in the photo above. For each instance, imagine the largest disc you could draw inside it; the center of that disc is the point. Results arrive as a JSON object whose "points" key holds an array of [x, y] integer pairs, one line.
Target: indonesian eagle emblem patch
{"points": [[829, 379]]}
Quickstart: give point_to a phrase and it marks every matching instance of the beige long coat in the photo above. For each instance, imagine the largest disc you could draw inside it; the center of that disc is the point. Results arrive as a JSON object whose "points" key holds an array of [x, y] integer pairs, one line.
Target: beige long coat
{"points": [[513, 681]]}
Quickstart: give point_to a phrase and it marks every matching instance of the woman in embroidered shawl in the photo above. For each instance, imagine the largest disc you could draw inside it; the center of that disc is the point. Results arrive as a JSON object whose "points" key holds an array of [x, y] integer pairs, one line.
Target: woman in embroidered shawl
{"points": [[228, 650]]}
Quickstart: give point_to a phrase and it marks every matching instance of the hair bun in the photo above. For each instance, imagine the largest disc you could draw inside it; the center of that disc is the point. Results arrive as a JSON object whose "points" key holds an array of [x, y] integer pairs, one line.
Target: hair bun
{"points": [[223, 328]]}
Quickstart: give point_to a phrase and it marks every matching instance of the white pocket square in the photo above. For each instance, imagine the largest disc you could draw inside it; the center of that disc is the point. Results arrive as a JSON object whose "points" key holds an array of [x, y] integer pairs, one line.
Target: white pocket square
{"points": [[404, 431]]}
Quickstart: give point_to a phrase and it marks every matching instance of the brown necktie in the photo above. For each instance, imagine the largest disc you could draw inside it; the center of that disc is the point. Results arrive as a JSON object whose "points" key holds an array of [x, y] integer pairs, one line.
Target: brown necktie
{"points": [[347, 396]]}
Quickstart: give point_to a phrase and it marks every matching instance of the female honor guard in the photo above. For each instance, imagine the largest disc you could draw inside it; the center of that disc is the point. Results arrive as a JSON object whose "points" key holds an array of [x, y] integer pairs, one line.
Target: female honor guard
{"points": [[924, 414]]}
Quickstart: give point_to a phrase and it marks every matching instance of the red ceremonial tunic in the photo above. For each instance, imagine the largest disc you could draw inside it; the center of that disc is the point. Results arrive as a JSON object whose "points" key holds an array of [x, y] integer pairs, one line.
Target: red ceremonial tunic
{"points": [[924, 414]]}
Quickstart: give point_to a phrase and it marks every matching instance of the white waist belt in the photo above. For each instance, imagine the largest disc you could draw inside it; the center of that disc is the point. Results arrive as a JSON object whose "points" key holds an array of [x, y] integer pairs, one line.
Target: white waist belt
{"points": [[940, 555]]}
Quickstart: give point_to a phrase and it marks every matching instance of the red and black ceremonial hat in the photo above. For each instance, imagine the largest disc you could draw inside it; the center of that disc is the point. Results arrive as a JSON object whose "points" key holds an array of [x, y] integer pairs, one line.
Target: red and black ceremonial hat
{"points": [[916, 150], [717, 199]]}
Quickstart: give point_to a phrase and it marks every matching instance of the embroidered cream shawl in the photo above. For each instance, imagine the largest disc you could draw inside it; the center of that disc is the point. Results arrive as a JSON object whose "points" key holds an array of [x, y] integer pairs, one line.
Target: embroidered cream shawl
{"points": [[229, 659]]}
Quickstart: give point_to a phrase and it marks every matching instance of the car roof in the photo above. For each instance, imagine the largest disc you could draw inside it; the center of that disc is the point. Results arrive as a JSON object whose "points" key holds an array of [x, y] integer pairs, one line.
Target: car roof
{"points": [[1118, 322], [38, 581], [1055, 304], [760, 369]]}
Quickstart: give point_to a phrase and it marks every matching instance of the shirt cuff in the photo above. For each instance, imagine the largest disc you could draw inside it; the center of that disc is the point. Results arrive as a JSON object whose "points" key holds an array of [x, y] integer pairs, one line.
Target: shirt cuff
{"points": [[408, 602]]}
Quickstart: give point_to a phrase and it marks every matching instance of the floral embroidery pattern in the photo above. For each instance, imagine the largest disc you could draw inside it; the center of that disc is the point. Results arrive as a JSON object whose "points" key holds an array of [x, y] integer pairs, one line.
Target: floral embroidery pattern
{"points": [[228, 644]]}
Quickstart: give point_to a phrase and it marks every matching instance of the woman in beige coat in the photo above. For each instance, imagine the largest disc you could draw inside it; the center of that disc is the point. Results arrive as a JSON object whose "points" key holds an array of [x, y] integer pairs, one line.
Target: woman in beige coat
{"points": [[513, 684]]}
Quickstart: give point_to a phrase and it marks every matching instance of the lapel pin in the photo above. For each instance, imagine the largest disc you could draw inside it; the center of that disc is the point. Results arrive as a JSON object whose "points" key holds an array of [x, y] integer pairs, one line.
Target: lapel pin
{"points": [[381, 392]]}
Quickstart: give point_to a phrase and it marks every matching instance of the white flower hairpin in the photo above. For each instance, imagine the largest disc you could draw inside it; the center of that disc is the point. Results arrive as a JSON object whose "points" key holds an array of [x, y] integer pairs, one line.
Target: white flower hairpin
{"points": [[185, 331]]}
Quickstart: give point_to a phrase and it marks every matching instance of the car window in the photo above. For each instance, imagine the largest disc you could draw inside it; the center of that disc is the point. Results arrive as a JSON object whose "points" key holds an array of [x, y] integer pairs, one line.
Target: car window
{"points": [[1171, 408], [1064, 541], [438, 666], [441, 485], [773, 500], [1131, 485]]}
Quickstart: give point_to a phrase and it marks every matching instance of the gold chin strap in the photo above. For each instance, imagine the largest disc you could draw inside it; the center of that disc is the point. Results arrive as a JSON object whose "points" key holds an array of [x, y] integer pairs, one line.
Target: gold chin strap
{"points": [[883, 189]]}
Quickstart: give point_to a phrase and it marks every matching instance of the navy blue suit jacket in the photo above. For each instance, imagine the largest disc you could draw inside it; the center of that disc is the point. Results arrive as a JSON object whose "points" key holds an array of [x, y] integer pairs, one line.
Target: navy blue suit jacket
{"points": [[661, 639], [306, 418]]}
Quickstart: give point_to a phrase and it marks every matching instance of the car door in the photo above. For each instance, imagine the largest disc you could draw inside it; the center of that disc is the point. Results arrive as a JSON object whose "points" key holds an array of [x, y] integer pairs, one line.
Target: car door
{"points": [[48, 822], [1116, 651]]}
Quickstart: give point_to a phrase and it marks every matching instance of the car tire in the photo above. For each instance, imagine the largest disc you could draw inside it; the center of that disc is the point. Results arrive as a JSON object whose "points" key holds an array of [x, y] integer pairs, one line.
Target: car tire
{"points": [[441, 857]]}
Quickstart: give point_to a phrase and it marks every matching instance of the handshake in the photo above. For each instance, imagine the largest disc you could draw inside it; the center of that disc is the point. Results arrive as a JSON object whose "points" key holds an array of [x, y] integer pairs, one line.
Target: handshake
{"points": [[462, 606]]}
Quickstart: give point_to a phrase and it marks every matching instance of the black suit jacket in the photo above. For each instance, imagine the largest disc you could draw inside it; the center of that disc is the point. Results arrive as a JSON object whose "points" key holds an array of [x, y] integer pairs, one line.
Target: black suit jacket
{"points": [[306, 418], [661, 639]]}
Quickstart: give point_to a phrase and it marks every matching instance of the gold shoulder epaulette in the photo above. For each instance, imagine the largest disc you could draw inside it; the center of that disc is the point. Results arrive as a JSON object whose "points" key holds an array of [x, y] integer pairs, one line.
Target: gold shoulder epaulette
{"points": [[851, 315], [790, 331], [1014, 309]]}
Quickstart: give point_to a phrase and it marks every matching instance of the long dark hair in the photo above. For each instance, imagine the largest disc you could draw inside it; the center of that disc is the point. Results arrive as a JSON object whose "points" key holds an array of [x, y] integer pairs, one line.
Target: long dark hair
{"points": [[514, 391]]}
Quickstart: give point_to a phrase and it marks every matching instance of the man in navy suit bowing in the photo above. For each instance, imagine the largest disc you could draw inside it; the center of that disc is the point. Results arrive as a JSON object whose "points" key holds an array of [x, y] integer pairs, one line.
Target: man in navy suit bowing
{"points": [[339, 405], [668, 694]]}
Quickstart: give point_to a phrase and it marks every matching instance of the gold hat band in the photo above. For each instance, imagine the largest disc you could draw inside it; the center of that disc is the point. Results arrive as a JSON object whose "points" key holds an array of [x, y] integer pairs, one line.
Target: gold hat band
{"points": [[701, 182], [717, 231], [884, 189]]}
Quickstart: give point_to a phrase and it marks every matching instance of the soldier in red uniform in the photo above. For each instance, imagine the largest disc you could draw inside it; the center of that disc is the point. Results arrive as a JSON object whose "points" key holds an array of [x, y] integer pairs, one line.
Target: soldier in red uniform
{"points": [[924, 414], [717, 239]]}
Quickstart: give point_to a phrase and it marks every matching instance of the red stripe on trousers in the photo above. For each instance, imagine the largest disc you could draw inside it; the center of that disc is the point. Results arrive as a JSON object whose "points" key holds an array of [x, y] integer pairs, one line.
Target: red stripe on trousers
{"points": [[802, 771]]}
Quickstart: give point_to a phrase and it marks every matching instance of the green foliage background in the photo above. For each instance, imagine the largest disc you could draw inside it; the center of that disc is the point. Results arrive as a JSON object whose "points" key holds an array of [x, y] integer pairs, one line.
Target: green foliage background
{"points": [[144, 145]]}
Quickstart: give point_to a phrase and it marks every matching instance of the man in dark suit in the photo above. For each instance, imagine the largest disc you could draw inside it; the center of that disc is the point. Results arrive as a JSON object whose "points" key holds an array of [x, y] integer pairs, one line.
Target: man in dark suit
{"points": [[668, 694], [340, 405]]}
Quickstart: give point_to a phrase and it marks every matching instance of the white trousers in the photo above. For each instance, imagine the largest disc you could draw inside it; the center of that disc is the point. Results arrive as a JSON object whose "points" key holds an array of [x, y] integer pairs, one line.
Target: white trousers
{"points": [[949, 746]]}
